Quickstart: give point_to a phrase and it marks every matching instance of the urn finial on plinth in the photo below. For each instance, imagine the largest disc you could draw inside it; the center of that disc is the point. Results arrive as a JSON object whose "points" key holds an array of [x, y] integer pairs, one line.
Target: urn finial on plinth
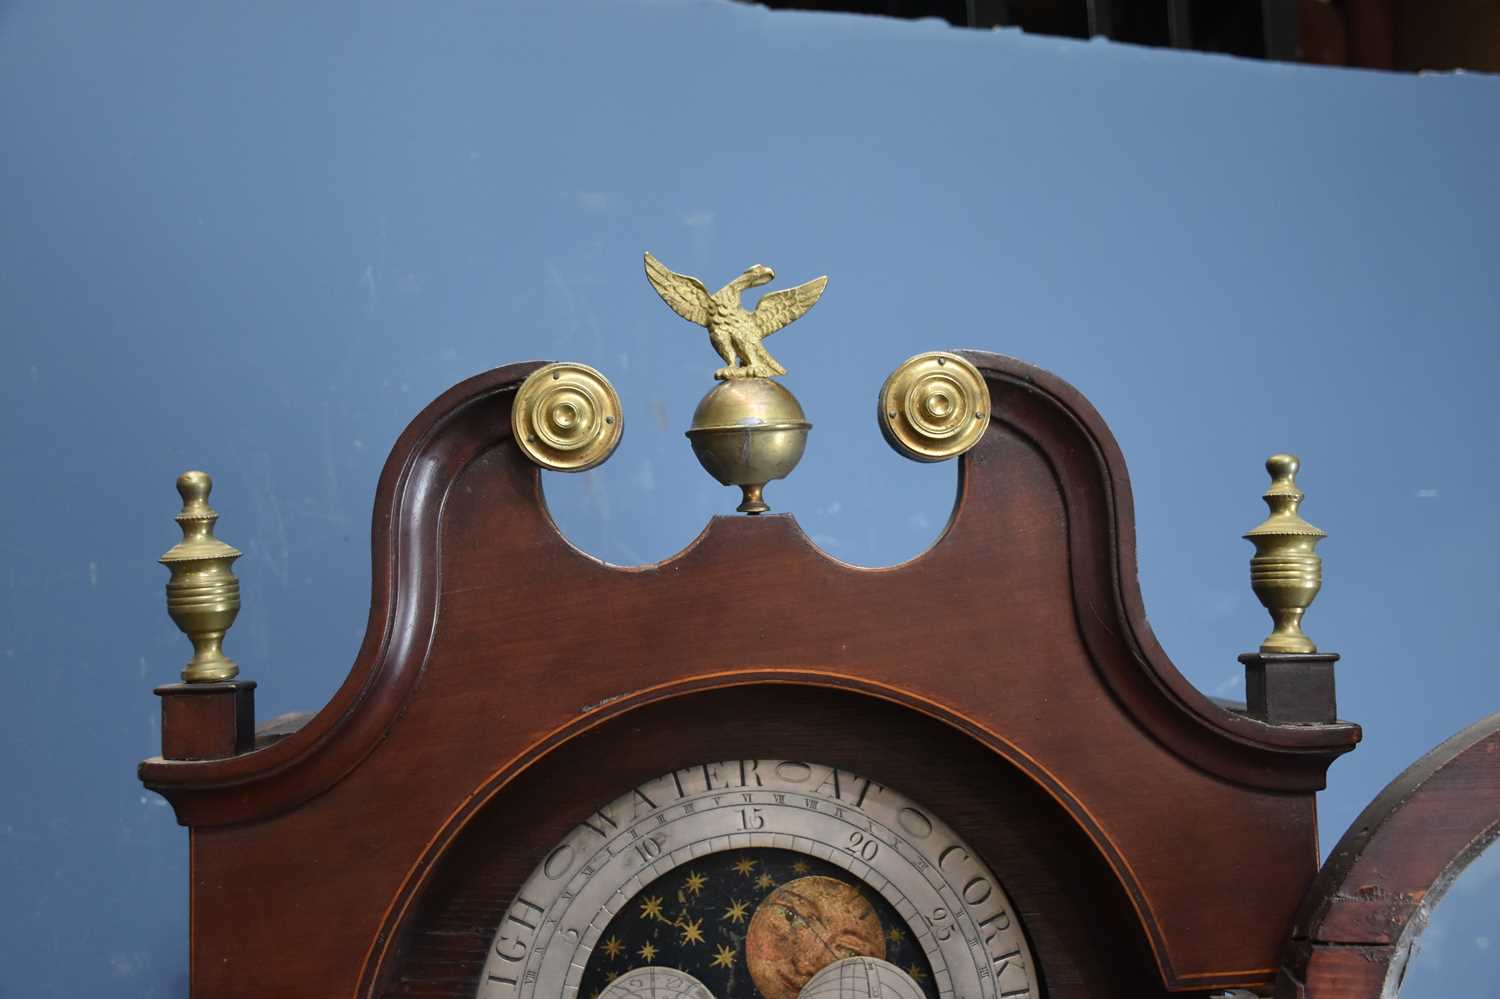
{"points": [[1285, 573], [203, 595]]}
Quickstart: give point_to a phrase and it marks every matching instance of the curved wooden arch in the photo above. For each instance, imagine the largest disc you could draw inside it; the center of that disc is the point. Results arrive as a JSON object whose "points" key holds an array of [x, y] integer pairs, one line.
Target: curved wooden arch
{"points": [[1359, 922], [473, 417], [481, 797], [1049, 856], [436, 446], [482, 613], [1091, 475]]}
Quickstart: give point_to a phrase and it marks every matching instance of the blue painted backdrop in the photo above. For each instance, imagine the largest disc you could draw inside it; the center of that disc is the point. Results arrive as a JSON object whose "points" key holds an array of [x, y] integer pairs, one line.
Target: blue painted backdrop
{"points": [[256, 239]]}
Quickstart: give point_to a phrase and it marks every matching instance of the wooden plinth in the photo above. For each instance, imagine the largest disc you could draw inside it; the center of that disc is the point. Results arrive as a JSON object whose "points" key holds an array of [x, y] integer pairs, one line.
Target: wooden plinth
{"points": [[1287, 689], [207, 721]]}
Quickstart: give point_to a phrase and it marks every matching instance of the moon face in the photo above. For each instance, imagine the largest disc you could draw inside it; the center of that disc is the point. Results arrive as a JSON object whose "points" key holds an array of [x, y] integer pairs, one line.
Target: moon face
{"points": [[804, 926]]}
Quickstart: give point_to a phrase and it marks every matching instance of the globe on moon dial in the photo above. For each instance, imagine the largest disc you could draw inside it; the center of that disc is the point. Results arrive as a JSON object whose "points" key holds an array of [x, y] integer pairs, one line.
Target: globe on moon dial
{"points": [[656, 983], [752, 878], [861, 978]]}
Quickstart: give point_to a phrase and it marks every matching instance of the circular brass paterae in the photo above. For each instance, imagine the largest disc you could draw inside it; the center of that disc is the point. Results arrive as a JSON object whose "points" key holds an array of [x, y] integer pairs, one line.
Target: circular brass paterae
{"points": [[746, 432], [567, 417], [934, 406]]}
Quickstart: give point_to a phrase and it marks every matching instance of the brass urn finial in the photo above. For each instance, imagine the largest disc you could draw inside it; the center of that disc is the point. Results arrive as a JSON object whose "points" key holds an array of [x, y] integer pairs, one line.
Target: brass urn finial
{"points": [[1286, 572], [748, 430], [203, 595]]}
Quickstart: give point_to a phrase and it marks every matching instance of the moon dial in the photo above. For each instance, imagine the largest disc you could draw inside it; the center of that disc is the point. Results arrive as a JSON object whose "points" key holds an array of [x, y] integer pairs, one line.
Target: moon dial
{"points": [[752, 876]]}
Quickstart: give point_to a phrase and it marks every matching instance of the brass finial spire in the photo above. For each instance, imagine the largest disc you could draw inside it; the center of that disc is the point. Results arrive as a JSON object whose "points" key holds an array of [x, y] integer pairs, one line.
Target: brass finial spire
{"points": [[203, 595], [1286, 572], [748, 430]]}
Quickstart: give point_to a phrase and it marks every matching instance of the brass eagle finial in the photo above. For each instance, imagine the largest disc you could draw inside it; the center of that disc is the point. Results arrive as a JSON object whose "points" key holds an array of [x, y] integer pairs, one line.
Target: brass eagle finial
{"points": [[734, 331]]}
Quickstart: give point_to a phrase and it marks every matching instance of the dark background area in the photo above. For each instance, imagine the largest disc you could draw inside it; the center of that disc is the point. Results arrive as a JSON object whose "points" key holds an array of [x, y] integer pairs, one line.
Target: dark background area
{"points": [[1406, 35]]}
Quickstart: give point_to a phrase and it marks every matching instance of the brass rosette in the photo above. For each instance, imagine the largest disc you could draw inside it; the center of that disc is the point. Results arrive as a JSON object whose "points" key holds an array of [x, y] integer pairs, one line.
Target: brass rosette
{"points": [[935, 406], [567, 417]]}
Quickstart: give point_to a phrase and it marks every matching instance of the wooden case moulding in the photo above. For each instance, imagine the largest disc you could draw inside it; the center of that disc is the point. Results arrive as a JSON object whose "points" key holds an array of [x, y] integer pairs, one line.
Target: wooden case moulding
{"points": [[1151, 839]]}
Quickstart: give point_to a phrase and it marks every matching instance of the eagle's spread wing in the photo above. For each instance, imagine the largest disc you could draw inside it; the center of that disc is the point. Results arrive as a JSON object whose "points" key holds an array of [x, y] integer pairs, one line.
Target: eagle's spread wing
{"points": [[686, 295], [778, 308]]}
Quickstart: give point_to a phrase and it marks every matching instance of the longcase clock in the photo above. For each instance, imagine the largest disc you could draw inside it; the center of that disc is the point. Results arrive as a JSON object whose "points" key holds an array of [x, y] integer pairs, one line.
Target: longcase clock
{"points": [[752, 771]]}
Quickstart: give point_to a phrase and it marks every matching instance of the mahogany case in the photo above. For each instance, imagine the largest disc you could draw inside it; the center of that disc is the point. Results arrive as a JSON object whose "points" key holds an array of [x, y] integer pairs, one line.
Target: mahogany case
{"points": [[508, 683]]}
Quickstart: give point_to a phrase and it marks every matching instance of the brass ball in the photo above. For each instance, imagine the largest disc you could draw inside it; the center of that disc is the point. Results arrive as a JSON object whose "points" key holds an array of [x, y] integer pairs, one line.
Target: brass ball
{"points": [[747, 432]]}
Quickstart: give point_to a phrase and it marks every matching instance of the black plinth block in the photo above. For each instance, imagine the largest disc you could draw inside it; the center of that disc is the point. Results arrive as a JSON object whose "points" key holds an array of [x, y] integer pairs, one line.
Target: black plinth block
{"points": [[1290, 688]]}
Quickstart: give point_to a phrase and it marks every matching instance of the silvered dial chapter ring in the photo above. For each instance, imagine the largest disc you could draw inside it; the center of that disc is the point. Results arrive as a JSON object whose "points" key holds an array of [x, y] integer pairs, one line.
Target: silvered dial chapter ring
{"points": [[956, 908]]}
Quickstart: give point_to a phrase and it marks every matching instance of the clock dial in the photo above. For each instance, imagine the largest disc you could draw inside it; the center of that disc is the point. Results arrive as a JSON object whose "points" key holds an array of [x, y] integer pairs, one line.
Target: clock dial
{"points": [[753, 876]]}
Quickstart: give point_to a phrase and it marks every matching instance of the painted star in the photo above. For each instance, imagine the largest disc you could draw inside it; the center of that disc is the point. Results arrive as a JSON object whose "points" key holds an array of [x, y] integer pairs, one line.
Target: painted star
{"points": [[610, 976], [745, 865], [764, 881], [613, 947], [896, 935], [651, 908], [724, 958], [916, 973], [695, 882], [692, 932], [648, 951], [736, 911], [801, 867]]}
